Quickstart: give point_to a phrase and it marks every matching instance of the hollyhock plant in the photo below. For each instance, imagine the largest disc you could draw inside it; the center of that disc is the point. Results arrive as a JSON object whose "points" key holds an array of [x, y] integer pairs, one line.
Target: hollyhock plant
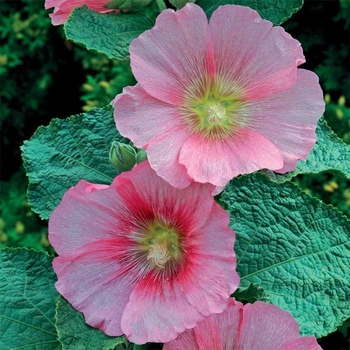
{"points": [[142, 258], [218, 99], [257, 326], [63, 8]]}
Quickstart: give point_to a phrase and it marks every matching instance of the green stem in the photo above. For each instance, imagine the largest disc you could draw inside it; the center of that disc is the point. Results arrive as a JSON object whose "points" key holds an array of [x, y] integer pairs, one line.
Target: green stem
{"points": [[161, 5]]}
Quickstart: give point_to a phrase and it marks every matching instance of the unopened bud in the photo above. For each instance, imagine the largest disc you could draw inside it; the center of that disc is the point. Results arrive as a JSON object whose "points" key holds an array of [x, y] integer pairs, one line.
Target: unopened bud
{"points": [[141, 156], [180, 3], [122, 156], [126, 4]]}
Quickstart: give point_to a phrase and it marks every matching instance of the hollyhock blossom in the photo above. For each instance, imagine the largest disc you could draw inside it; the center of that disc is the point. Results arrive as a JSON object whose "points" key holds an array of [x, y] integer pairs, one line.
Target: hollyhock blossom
{"points": [[257, 326], [218, 99], [63, 8], [141, 257]]}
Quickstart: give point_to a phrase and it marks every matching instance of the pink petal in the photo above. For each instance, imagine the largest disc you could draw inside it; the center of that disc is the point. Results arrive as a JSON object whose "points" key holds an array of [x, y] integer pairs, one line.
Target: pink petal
{"points": [[98, 280], [168, 57], [191, 207], [304, 343], [252, 54], [216, 332], [289, 118], [266, 327], [63, 8], [157, 312], [217, 274], [218, 161], [163, 155], [185, 340], [88, 215], [143, 118], [211, 263], [219, 332]]}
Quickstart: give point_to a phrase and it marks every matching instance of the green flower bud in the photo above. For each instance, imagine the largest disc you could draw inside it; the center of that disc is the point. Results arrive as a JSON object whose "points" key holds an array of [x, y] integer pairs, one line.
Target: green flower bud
{"points": [[126, 4], [122, 156], [180, 3], [141, 156]]}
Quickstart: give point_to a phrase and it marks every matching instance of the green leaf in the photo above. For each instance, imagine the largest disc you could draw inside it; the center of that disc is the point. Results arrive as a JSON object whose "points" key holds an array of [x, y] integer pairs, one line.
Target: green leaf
{"points": [[74, 333], [276, 11], [66, 151], [110, 33], [250, 293], [27, 302], [329, 154], [295, 247], [127, 4]]}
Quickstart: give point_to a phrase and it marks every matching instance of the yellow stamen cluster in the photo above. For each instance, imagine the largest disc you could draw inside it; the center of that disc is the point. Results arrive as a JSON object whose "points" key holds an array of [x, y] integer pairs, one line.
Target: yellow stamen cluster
{"points": [[214, 109], [161, 243]]}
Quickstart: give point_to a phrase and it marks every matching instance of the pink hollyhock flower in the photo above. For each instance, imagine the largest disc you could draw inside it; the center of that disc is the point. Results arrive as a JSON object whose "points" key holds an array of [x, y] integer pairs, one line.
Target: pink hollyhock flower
{"points": [[141, 257], [63, 8], [257, 326], [220, 99]]}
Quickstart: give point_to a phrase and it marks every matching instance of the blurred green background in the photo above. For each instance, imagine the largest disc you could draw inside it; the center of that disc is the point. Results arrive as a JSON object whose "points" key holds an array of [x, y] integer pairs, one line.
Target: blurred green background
{"points": [[44, 76]]}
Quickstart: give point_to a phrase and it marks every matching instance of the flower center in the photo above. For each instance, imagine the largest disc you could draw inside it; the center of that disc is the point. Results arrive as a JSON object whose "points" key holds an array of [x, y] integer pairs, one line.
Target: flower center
{"points": [[161, 243], [216, 114], [214, 109]]}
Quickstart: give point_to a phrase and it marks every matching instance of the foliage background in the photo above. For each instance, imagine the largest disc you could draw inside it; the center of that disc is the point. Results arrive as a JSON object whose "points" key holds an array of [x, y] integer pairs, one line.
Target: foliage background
{"points": [[45, 76]]}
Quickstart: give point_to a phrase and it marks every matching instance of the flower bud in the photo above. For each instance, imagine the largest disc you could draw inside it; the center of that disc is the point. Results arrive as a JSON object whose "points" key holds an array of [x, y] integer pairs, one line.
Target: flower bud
{"points": [[126, 4], [141, 156], [122, 156]]}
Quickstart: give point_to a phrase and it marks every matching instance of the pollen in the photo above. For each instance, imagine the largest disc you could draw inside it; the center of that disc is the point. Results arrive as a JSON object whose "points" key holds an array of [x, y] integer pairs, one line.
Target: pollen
{"points": [[161, 244], [158, 254], [214, 110], [216, 114]]}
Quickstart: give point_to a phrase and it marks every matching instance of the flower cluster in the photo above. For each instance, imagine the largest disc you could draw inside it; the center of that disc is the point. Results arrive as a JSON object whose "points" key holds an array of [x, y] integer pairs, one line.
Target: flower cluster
{"points": [[151, 256]]}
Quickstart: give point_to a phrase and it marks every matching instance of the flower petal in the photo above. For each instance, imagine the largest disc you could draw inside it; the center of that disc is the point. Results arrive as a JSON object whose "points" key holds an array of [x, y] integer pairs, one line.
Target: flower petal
{"points": [[211, 262], [63, 8], [163, 155], [98, 280], [304, 343], [216, 332], [190, 207], [289, 118], [251, 54], [168, 57], [266, 327], [84, 215], [157, 312], [143, 118], [218, 161]]}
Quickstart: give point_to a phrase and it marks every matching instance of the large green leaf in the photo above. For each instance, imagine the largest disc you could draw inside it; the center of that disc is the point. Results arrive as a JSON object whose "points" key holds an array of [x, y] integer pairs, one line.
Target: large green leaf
{"points": [[66, 151], [74, 333], [329, 154], [27, 300], [295, 247], [276, 11], [110, 33]]}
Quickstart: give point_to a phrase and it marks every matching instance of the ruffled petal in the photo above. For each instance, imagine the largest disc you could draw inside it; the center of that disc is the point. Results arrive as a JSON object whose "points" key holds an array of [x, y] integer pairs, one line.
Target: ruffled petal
{"points": [[163, 155], [173, 54], [98, 280], [85, 215], [143, 118], [157, 312], [289, 118], [218, 161], [251, 54], [266, 327]]}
